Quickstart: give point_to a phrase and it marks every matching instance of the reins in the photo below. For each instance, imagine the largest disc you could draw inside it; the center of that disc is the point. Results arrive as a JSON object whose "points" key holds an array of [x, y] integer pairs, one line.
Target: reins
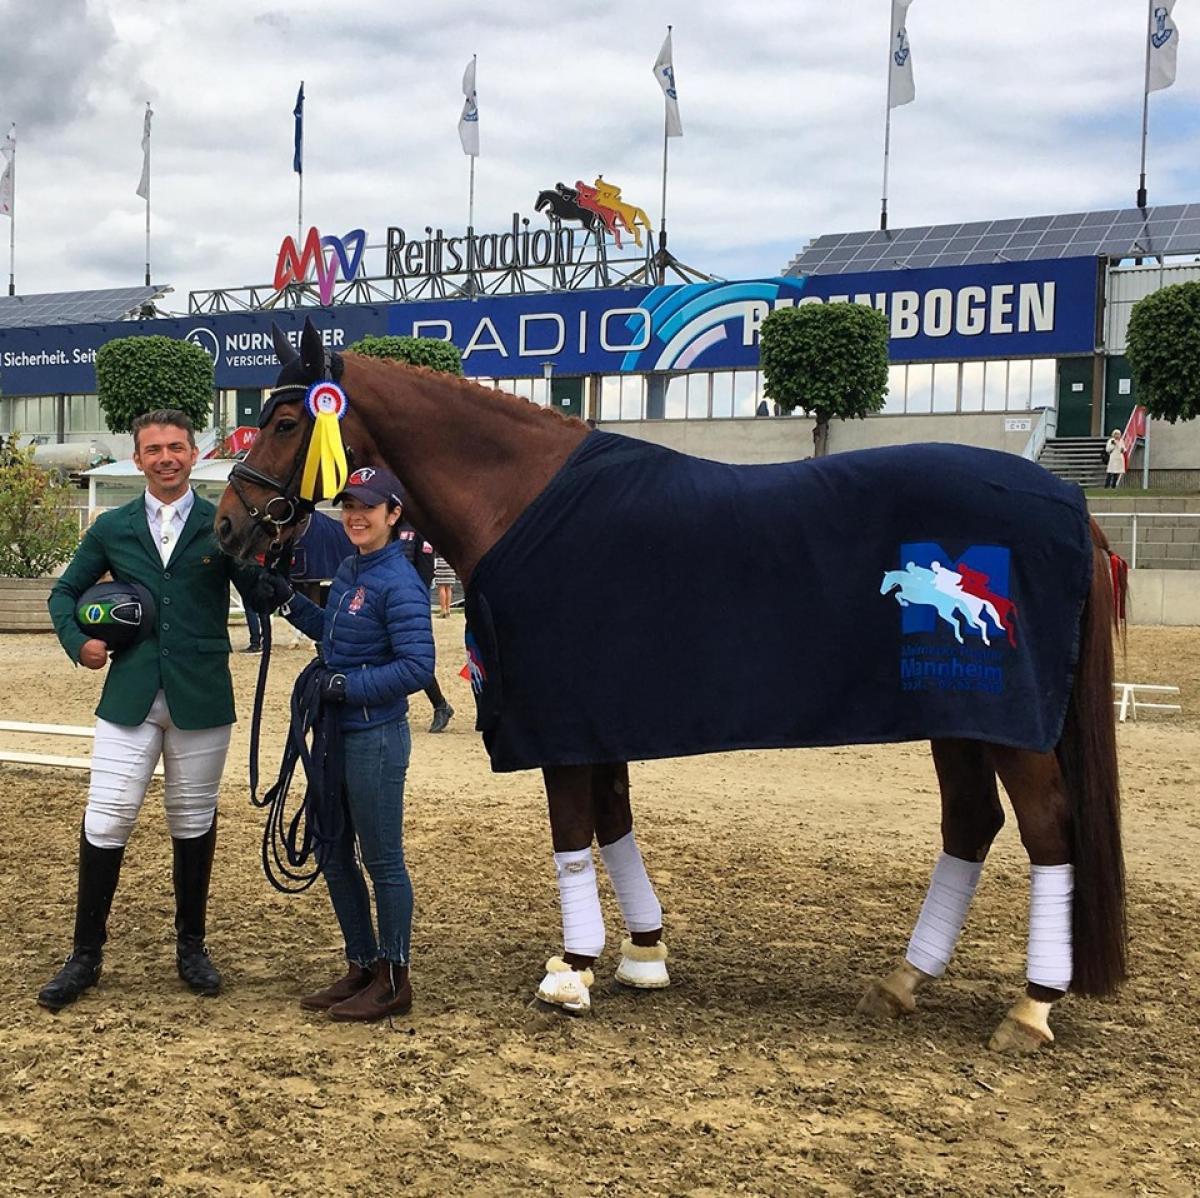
{"points": [[290, 843]]}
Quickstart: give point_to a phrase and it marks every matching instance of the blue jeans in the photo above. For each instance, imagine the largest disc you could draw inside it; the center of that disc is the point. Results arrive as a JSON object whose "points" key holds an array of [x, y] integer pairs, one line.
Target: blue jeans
{"points": [[376, 761]]}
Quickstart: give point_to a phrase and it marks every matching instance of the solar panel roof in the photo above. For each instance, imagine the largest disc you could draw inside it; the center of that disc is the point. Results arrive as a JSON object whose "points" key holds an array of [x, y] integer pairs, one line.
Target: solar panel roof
{"points": [[1113, 233], [76, 307]]}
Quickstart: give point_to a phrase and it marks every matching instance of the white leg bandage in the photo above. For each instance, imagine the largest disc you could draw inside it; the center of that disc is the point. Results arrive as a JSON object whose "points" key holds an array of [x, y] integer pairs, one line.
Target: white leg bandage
{"points": [[1051, 888], [639, 904], [583, 925], [943, 914]]}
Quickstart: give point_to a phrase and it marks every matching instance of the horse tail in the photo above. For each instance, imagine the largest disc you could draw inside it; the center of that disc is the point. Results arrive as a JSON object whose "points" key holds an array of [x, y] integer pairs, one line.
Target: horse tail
{"points": [[1087, 757]]}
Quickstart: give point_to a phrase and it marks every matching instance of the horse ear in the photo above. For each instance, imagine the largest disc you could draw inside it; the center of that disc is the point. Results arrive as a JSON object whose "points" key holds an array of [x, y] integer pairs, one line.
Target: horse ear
{"points": [[312, 350], [285, 351]]}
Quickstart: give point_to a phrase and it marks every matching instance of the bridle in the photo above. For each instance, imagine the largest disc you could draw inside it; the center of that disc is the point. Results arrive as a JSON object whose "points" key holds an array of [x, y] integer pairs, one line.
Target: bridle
{"points": [[286, 507]]}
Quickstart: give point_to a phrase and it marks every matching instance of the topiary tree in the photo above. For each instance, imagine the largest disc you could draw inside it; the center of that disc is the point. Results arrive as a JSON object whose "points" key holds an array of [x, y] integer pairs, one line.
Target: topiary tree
{"points": [[1163, 349], [38, 528], [416, 351], [135, 375], [828, 360]]}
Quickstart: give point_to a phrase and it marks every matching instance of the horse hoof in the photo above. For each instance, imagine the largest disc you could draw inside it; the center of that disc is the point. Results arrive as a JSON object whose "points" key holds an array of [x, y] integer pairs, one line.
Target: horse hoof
{"points": [[566, 988], [643, 967], [881, 1004], [1025, 1029]]}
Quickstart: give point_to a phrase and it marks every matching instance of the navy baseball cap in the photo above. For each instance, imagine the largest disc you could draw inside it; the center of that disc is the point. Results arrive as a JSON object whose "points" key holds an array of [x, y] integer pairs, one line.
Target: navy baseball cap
{"points": [[372, 485]]}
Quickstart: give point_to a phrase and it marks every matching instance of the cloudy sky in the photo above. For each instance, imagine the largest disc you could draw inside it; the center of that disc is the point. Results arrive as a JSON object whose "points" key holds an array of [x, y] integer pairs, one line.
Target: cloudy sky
{"points": [[1023, 107]]}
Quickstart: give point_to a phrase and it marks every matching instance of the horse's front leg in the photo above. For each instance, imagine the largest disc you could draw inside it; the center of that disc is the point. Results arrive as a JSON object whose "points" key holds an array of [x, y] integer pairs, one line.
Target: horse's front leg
{"points": [[971, 818], [643, 954], [569, 978]]}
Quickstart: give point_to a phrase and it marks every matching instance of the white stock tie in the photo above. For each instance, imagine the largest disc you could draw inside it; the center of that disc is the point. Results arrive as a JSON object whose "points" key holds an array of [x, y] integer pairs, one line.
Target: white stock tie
{"points": [[166, 526]]}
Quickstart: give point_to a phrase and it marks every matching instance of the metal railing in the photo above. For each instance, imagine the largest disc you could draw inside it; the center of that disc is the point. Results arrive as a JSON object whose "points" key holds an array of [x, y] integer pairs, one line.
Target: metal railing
{"points": [[1133, 518], [1044, 428]]}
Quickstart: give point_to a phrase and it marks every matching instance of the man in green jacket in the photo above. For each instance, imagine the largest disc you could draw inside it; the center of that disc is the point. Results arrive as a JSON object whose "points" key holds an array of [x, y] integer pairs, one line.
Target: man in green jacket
{"points": [[169, 696]]}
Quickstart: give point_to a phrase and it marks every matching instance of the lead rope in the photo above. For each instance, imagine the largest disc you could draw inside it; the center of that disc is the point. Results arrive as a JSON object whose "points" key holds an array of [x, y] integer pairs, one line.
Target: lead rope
{"points": [[320, 820]]}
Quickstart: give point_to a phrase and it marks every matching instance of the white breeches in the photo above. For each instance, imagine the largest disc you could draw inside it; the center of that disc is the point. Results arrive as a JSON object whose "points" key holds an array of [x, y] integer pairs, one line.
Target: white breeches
{"points": [[123, 761]]}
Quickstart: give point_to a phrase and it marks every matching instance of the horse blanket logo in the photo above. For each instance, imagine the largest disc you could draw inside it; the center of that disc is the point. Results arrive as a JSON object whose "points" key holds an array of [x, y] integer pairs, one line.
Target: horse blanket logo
{"points": [[969, 598]]}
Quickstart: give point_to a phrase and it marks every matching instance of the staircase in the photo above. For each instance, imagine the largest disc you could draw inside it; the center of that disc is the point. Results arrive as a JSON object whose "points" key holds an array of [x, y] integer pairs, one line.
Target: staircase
{"points": [[1076, 459]]}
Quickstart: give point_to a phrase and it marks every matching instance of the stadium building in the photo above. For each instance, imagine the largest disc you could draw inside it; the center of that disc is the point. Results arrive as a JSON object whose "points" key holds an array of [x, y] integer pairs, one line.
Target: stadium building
{"points": [[1007, 333]]}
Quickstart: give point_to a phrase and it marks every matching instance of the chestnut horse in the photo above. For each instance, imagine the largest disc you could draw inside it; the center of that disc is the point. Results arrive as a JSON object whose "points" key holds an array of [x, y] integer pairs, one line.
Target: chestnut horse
{"points": [[472, 460]]}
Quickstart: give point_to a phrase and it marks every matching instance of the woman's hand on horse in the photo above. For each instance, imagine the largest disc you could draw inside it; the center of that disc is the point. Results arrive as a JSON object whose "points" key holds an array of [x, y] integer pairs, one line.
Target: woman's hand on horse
{"points": [[270, 592]]}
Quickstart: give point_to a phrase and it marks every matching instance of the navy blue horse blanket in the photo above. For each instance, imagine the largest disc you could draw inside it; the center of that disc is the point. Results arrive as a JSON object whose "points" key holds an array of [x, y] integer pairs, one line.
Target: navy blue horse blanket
{"points": [[650, 604]]}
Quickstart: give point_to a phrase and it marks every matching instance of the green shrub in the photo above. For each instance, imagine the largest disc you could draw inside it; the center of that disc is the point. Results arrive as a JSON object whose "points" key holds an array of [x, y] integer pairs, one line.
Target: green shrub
{"points": [[829, 360], [135, 375], [416, 351], [38, 528], [1163, 349]]}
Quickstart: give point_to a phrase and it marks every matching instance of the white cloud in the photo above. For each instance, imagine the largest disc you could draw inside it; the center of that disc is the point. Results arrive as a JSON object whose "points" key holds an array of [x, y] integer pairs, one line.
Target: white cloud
{"points": [[1021, 107]]}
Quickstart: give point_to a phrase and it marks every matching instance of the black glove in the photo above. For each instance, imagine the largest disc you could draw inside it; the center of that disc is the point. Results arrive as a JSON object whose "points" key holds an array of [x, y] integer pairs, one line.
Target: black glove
{"points": [[269, 592], [333, 687]]}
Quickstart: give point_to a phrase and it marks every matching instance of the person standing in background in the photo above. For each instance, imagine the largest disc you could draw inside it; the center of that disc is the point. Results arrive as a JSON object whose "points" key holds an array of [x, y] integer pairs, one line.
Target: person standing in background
{"points": [[420, 552]]}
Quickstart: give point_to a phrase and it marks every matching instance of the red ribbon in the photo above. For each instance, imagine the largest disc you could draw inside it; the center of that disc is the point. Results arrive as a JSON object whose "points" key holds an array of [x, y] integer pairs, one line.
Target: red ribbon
{"points": [[1120, 573]]}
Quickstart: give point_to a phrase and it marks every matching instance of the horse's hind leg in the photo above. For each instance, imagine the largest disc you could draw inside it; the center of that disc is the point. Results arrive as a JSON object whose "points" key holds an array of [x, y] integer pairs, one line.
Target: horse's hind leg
{"points": [[643, 955], [1035, 787], [971, 818], [572, 825]]}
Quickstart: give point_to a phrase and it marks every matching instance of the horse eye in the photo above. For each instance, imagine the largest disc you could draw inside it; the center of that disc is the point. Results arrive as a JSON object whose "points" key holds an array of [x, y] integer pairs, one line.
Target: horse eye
{"points": [[285, 426]]}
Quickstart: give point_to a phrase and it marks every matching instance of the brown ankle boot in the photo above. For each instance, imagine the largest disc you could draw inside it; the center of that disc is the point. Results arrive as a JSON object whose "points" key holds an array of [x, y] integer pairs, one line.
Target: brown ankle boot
{"points": [[390, 993], [357, 978]]}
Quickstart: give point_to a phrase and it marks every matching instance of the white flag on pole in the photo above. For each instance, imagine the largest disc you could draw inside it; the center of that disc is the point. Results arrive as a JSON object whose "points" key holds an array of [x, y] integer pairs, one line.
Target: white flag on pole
{"points": [[9, 149], [143, 188], [468, 123], [664, 72], [901, 88], [1164, 44]]}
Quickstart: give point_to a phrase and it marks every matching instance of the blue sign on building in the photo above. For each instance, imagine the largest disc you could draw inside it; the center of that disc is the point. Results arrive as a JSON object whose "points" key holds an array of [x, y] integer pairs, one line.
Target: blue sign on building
{"points": [[1006, 310]]}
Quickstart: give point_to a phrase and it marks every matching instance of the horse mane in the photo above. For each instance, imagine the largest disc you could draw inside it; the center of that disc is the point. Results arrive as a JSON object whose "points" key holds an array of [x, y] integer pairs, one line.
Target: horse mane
{"points": [[493, 396]]}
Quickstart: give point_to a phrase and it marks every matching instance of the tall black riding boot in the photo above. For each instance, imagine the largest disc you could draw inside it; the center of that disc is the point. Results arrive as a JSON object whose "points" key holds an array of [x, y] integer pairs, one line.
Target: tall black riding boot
{"points": [[193, 869], [99, 871]]}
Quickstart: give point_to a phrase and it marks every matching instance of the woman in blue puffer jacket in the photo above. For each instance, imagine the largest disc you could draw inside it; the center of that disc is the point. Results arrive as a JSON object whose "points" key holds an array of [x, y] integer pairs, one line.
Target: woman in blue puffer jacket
{"points": [[377, 644]]}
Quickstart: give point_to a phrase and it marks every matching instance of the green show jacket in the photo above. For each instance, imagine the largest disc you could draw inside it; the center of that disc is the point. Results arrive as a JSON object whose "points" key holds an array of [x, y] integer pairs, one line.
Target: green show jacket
{"points": [[187, 655]]}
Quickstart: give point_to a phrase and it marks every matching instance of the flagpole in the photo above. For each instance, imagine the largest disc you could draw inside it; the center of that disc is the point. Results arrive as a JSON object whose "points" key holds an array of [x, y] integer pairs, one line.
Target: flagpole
{"points": [[147, 205], [471, 202], [887, 126], [1141, 195], [12, 226]]}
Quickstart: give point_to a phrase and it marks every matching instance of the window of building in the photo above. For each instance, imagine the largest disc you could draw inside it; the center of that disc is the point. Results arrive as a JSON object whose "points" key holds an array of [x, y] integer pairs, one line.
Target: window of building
{"points": [[971, 387], [893, 401], [1044, 388], [945, 387], [676, 406], [919, 394], [995, 386], [745, 392], [1019, 370], [722, 393], [610, 397], [633, 396]]}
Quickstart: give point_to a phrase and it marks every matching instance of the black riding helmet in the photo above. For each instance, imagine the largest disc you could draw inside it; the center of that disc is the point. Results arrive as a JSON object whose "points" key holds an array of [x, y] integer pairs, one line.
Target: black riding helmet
{"points": [[121, 614]]}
